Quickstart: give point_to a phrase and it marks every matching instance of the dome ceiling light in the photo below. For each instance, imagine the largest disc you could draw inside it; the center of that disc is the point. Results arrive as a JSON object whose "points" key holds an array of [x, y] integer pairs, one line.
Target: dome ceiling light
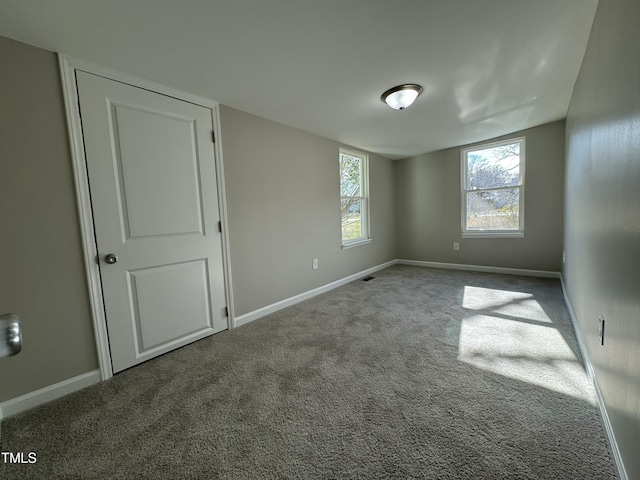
{"points": [[402, 96]]}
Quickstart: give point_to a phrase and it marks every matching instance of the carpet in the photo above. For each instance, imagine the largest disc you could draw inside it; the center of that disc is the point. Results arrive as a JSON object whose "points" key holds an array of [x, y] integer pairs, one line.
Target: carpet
{"points": [[417, 373]]}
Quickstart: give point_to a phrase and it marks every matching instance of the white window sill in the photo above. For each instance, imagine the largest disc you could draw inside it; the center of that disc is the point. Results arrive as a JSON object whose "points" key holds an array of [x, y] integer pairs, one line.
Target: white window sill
{"points": [[492, 234], [357, 243]]}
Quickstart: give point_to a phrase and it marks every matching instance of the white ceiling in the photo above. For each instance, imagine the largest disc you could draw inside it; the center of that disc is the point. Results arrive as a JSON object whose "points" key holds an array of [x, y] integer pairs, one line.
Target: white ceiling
{"points": [[488, 67]]}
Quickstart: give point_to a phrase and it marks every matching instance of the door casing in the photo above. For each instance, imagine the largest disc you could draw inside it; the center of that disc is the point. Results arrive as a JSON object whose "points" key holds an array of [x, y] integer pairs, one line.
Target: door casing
{"points": [[68, 68]]}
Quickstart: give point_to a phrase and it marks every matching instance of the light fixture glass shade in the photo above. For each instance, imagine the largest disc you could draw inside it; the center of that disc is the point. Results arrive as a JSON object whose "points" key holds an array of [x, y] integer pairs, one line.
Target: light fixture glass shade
{"points": [[402, 96]]}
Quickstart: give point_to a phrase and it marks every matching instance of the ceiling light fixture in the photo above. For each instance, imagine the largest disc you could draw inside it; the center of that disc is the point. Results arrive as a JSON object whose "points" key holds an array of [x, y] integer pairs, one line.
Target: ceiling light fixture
{"points": [[402, 96]]}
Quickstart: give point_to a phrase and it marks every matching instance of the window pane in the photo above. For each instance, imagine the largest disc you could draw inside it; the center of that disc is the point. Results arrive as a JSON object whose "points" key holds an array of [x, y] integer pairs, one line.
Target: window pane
{"points": [[493, 209], [350, 176], [353, 196], [351, 209], [494, 167]]}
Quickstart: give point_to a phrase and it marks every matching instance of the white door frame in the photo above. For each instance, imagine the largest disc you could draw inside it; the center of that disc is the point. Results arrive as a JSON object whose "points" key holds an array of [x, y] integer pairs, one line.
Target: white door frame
{"points": [[68, 67]]}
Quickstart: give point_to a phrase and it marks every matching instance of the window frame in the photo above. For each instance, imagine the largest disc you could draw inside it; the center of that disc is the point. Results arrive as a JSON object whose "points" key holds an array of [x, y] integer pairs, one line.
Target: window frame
{"points": [[365, 216], [466, 233]]}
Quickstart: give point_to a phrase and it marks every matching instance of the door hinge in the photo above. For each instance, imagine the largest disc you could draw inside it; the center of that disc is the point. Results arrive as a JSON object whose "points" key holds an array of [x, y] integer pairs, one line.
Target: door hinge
{"points": [[220, 227], [213, 136], [226, 311]]}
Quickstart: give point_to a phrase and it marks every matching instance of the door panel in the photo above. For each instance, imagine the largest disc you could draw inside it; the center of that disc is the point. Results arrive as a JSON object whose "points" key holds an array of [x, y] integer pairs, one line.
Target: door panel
{"points": [[152, 177], [161, 296], [148, 209]]}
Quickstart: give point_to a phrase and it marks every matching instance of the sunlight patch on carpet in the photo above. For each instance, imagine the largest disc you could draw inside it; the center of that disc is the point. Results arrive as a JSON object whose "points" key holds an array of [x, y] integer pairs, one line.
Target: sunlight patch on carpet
{"points": [[518, 304], [510, 334]]}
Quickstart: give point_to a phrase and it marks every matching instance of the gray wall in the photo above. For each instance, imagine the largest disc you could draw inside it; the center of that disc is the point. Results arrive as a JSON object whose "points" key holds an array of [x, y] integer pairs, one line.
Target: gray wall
{"points": [[283, 199], [428, 208], [602, 229], [41, 265], [283, 204]]}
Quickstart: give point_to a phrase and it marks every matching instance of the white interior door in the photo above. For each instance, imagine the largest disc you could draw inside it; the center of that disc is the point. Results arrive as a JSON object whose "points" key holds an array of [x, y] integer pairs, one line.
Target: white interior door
{"points": [[151, 168]]}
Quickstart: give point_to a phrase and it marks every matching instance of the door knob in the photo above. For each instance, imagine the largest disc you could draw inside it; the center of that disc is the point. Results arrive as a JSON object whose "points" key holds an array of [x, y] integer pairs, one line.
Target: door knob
{"points": [[10, 335], [111, 258]]}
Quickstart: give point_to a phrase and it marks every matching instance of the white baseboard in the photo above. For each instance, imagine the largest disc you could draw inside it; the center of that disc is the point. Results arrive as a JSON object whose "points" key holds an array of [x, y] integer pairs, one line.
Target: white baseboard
{"points": [[622, 473], [33, 399], [287, 302], [261, 312], [481, 268]]}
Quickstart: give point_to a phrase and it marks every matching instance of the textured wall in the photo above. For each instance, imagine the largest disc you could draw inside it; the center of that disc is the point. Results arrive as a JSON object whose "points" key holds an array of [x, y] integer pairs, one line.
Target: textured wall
{"points": [[41, 263], [284, 210], [602, 230], [428, 208]]}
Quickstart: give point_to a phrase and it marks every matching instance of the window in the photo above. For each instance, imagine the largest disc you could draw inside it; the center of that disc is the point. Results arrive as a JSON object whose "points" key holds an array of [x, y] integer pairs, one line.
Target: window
{"points": [[493, 189], [354, 201]]}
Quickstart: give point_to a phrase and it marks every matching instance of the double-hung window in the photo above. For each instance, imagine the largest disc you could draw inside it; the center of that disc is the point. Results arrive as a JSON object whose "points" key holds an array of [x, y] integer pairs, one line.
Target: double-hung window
{"points": [[493, 189], [354, 197]]}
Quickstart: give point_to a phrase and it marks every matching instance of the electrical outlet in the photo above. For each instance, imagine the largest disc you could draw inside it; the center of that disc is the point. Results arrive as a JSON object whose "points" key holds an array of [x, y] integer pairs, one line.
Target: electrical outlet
{"points": [[456, 245], [601, 329], [314, 264]]}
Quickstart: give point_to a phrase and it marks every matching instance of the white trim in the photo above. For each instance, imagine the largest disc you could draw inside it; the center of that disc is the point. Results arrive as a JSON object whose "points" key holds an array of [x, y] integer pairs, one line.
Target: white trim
{"points": [[73, 64], [222, 202], [67, 72], [622, 473], [492, 234], [68, 67], [274, 307], [47, 394], [287, 302], [347, 246], [481, 268]]}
